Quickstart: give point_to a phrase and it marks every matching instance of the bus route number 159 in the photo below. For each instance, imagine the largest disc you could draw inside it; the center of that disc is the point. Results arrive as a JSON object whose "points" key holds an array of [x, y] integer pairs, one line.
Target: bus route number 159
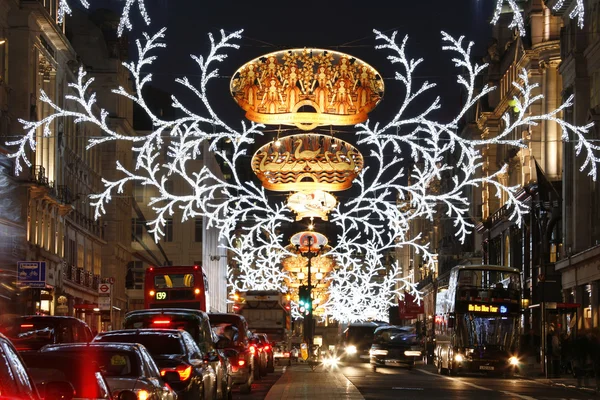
{"points": [[161, 295]]}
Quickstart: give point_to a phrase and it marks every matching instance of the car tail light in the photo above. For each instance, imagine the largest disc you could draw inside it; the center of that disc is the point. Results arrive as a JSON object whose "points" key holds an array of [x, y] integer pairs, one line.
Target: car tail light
{"points": [[286, 354], [26, 325], [253, 349], [241, 363], [184, 371], [267, 348], [142, 395], [161, 321]]}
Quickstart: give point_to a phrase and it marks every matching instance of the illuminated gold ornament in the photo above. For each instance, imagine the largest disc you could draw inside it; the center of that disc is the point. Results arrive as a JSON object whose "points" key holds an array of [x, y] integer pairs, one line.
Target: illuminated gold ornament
{"points": [[315, 204], [307, 88], [307, 162], [301, 239]]}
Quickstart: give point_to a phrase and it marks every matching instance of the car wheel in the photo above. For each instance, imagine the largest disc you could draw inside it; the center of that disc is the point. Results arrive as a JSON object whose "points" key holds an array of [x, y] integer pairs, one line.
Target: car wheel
{"points": [[373, 367], [410, 366]]}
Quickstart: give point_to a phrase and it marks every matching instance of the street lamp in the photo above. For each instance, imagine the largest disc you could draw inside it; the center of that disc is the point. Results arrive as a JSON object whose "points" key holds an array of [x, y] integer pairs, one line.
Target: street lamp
{"points": [[309, 254]]}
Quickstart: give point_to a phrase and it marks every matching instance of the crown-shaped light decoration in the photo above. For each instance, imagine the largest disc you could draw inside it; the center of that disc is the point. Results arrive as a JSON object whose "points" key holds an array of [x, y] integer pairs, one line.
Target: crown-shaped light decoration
{"points": [[307, 88], [303, 239], [311, 204], [307, 162]]}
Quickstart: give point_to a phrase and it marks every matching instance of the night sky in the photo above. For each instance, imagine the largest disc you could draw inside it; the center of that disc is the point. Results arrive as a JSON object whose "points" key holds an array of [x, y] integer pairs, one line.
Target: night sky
{"points": [[346, 26]]}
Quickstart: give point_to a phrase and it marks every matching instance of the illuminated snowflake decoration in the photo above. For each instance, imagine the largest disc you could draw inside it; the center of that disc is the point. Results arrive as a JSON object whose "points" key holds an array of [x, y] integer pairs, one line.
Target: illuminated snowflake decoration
{"points": [[125, 22], [517, 21], [392, 193]]}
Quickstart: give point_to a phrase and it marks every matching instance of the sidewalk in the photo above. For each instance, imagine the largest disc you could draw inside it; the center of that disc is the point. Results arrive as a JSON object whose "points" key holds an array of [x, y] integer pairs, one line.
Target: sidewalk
{"points": [[299, 382], [534, 372]]}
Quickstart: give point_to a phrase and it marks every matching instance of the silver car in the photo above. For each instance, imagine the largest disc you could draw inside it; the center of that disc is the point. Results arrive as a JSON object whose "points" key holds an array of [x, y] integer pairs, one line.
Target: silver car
{"points": [[126, 367]]}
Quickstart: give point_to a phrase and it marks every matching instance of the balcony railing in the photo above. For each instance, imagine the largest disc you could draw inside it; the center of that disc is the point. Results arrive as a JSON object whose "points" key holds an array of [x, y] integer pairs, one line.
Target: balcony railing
{"points": [[81, 277]]}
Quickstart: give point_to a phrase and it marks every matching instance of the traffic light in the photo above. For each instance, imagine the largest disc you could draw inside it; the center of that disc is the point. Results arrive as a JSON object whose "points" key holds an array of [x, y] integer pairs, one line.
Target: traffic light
{"points": [[304, 299]]}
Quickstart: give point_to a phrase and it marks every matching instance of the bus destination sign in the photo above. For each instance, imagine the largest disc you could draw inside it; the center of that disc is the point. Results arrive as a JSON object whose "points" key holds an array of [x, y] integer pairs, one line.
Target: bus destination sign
{"points": [[487, 308]]}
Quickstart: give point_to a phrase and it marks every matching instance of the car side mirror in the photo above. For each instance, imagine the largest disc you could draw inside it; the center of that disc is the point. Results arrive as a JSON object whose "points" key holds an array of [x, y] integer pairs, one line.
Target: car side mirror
{"points": [[127, 395], [59, 390], [171, 376], [213, 356]]}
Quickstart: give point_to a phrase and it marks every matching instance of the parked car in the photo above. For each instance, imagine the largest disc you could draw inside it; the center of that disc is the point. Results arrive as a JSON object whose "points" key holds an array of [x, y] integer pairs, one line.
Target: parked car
{"points": [[268, 350], [197, 324], [126, 367], [394, 346], [176, 351], [238, 351], [260, 356], [31, 333]]}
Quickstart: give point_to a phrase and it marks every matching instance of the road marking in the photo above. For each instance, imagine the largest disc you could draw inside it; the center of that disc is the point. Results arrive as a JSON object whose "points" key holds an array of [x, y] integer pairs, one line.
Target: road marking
{"points": [[478, 387], [406, 388]]}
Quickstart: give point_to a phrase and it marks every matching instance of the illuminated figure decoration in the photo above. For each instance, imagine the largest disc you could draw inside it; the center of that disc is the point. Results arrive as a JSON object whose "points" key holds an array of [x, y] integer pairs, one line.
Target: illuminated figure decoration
{"points": [[337, 89], [391, 194], [307, 162], [315, 204]]}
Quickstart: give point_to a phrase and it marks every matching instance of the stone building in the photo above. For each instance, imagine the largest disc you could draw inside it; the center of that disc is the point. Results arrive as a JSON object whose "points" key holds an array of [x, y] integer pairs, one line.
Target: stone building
{"points": [[580, 256]]}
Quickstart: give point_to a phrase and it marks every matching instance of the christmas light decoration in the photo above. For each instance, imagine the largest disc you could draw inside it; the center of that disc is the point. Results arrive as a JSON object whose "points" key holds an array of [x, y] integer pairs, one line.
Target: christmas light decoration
{"points": [[125, 22], [392, 192], [517, 21]]}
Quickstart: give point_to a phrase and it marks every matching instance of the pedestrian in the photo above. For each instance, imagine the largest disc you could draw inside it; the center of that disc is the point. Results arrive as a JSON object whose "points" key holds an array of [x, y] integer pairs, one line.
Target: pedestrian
{"points": [[580, 349]]}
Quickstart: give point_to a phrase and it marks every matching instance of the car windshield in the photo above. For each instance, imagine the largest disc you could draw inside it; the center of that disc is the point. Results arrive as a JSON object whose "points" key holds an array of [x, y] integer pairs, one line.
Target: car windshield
{"points": [[395, 336], [34, 334], [157, 343], [74, 368], [112, 362], [167, 321]]}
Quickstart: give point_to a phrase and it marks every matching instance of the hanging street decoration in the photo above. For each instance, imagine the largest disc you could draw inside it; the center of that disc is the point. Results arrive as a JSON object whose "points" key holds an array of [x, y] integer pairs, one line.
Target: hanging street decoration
{"points": [[311, 204], [408, 154], [329, 87], [307, 162]]}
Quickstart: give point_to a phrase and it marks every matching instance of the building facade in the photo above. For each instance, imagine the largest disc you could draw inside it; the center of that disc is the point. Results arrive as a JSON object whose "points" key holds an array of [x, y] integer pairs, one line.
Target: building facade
{"points": [[580, 256]]}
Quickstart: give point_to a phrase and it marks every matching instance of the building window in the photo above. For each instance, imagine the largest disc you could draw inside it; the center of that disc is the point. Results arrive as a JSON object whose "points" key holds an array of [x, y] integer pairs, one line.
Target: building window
{"points": [[138, 191], [198, 230], [169, 230], [137, 228]]}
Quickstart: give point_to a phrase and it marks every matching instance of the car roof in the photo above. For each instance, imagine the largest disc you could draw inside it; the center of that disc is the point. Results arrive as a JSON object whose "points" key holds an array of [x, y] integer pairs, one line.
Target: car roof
{"points": [[165, 311], [49, 318], [95, 345], [157, 331]]}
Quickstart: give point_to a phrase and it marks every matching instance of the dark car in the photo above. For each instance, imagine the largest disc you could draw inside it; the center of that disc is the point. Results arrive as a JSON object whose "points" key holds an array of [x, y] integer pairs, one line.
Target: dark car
{"points": [[267, 348], [394, 346], [239, 351], [260, 356], [85, 377], [15, 381], [197, 324], [31, 333], [127, 367], [176, 351]]}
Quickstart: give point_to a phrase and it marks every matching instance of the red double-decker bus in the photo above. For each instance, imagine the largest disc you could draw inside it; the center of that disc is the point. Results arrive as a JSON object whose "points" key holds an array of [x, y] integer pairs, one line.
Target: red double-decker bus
{"points": [[176, 287]]}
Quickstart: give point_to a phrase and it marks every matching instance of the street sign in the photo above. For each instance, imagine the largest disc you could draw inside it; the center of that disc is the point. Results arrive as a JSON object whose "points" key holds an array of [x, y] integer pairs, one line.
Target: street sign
{"points": [[104, 288], [31, 274], [111, 280], [104, 303]]}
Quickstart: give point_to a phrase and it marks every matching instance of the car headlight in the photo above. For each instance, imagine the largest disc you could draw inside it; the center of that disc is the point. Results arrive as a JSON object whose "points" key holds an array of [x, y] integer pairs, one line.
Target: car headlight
{"points": [[412, 353], [458, 358], [379, 352], [513, 361], [351, 349]]}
